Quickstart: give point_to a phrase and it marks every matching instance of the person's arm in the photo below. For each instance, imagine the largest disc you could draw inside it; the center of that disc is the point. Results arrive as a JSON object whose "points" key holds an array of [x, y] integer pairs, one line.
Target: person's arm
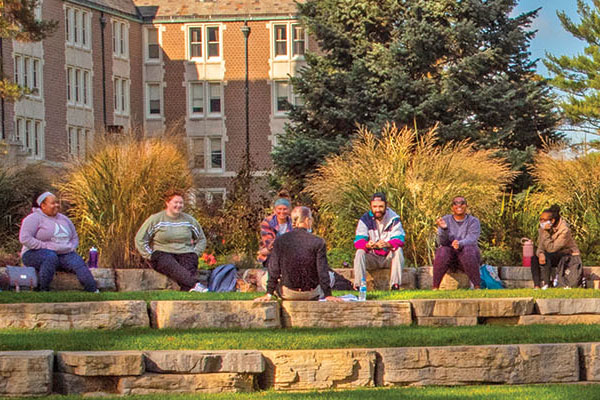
{"points": [[74, 239], [362, 236], [274, 270], [143, 239], [473, 232], [443, 237], [541, 244], [323, 269], [398, 235], [199, 237], [558, 241], [29, 227]]}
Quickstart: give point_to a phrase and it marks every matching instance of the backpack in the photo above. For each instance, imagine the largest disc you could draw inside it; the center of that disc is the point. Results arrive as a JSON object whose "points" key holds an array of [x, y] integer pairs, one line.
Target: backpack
{"points": [[489, 278], [569, 272], [223, 279], [22, 278]]}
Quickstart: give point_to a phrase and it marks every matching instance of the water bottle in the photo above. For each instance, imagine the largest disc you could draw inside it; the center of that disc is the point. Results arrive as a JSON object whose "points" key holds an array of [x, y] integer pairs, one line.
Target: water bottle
{"points": [[93, 258], [362, 293]]}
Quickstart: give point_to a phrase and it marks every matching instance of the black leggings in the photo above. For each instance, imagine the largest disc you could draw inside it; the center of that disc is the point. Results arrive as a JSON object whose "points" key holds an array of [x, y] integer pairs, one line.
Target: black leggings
{"points": [[182, 268], [541, 273]]}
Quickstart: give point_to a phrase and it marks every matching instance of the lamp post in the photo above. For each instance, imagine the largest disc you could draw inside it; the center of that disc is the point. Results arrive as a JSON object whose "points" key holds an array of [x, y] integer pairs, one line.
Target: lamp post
{"points": [[246, 32]]}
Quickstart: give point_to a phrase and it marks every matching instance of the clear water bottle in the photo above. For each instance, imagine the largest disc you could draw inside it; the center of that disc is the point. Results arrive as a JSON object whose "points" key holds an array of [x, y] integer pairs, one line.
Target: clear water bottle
{"points": [[93, 258], [362, 292]]}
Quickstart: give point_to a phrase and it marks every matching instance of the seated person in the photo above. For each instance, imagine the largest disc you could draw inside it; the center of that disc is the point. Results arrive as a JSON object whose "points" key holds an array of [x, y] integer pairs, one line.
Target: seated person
{"points": [[554, 242], [457, 239], [173, 240], [378, 242], [299, 263], [273, 226], [49, 241]]}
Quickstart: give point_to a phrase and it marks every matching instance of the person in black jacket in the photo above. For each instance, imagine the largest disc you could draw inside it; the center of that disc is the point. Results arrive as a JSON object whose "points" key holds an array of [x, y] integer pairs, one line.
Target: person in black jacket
{"points": [[299, 262]]}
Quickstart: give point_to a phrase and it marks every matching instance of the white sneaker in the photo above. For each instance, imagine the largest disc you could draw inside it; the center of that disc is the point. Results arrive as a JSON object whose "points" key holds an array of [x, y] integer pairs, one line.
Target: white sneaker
{"points": [[544, 287], [199, 288]]}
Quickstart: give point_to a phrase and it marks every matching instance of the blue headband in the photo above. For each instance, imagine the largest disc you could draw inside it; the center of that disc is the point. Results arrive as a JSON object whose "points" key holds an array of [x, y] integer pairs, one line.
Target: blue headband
{"points": [[283, 202], [42, 197]]}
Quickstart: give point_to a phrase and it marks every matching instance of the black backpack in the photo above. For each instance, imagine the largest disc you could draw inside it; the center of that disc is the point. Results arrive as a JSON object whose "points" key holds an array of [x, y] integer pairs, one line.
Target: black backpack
{"points": [[569, 272]]}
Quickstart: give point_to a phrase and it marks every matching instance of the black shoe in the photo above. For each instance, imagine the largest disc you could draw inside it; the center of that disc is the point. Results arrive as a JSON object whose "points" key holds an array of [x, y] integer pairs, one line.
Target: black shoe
{"points": [[395, 286]]}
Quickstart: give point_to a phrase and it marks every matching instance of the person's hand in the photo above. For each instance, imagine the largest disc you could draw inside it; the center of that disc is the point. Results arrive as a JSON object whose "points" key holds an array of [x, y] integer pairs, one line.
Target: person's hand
{"points": [[370, 245], [542, 258], [265, 298], [382, 244], [334, 299], [455, 244], [441, 223]]}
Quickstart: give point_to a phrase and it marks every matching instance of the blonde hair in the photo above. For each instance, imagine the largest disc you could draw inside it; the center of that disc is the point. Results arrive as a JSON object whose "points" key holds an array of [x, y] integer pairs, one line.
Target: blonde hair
{"points": [[299, 215]]}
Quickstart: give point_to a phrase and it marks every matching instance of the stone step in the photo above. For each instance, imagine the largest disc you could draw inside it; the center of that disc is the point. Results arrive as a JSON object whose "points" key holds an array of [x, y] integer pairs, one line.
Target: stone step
{"points": [[379, 279]]}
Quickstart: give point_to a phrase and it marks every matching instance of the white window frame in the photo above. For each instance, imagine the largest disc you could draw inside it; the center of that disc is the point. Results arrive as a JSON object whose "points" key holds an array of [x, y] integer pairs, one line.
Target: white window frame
{"points": [[121, 96], [120, 31], [160, 95], [208, 193], [78, 23], [79, 139], [289, 41], [147, 58], [207, 153], [207, 98], [30, 132], [204, 58], [275, 41], [196, 114], [290, 97], [79, 87]]}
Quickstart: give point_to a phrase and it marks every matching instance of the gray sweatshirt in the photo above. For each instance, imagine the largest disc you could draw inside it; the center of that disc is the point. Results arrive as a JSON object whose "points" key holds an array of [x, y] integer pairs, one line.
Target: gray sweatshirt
{"points": [[466, 231]]}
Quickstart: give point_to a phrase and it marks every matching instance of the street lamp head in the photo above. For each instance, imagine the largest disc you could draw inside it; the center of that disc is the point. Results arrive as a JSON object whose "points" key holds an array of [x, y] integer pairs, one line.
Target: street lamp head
{"points": [[246, 29]]}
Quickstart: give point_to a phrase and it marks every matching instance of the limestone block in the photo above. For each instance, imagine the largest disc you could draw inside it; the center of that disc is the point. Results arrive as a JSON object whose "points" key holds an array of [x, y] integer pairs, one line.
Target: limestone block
{"points": [[463, 365], [592, 273], [202, 362], [380, 279], [450, 281], [26, 373], [100, 363], [214, 314], [83, 315], [515, 273], [425, 277], [318, 369], [347, 273], [186, 383], [568, 306], [104, 277], [137, 280], [499, 320], [446, 321], [324, 314], [507, 307], [589, 361], [509, 284], [84, 385], [587, 319]]}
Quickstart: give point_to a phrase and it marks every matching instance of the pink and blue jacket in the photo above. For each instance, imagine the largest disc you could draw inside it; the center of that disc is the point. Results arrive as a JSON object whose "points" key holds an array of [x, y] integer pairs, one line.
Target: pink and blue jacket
{"points": [[366, 231]]}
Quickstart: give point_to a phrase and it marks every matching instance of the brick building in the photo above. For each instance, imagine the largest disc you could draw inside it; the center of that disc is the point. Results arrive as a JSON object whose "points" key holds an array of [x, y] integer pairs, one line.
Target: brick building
{"points": [[121, 64]]}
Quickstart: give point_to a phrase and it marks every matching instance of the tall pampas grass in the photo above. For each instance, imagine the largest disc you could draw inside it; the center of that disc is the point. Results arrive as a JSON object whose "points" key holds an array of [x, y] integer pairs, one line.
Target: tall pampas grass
{"points": [[419, 177], [117, 186]]}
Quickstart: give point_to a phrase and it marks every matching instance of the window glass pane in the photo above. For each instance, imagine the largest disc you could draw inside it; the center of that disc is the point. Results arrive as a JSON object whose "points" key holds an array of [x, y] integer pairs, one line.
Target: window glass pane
{"points": [[298, 39], [86, 77], [18, 69], [216, 155], [37, 139], [153, 43], [215, 98], [197, 93], [116, 94], [76, 23], [198, 152], [281, 96], [126, 96], [280, 40], [26, 68], [36, 76], [77, 84], [115, 36], [69, 84], [154, 96], [71, 25], [195, 42], [213, 41], [27, 138], [67, 24], [84, 29], [122, 39]]}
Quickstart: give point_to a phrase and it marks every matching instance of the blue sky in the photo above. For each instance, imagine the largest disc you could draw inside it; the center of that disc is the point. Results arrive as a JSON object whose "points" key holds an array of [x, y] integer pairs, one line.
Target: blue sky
{"points": [[551, 36]]}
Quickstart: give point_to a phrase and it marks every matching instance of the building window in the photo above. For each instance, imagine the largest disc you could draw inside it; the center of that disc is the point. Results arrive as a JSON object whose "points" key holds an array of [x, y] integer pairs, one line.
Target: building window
{"points": [[204, 40], [298, 39], [85, 88], [69, 85], [215, 98], [35, 88], [29, 132], [280, 40], [282, 90], [154, 106], [197, 97], [77, 82], [28, 73], [120, 39], [18, 69], [77, 27], [212, 195], [79, 140], [212, 92], [121, 91], [208, 154], [78, 87], [153, 50]]}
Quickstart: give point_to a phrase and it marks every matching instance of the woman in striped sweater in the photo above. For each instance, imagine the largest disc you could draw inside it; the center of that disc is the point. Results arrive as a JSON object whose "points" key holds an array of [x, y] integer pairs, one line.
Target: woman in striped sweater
{"points": [[173, 240]]}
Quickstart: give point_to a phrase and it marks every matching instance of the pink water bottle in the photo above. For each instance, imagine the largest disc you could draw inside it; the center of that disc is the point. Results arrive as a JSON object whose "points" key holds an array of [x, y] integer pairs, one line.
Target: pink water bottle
{"points": [[527, 251], [93, 258]]}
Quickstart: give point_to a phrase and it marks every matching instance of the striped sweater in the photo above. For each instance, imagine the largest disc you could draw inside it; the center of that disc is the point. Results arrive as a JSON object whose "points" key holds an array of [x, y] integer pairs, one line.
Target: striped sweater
{"points": [[171, 235], [366, 231]]}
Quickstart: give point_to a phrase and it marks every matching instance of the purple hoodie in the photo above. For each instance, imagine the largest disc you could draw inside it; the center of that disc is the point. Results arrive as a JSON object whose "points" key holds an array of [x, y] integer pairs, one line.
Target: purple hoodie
{"points": [[40, 231]]}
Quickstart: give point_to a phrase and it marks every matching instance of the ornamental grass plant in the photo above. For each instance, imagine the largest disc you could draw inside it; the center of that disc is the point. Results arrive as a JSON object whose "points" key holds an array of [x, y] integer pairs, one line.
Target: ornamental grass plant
{"points": [[117, 186], [419, 177]]}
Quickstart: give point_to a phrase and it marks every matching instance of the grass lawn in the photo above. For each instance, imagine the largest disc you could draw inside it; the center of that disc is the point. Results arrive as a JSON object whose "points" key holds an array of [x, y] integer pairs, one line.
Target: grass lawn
{"points": [[75, 296], [293, 339], [546, 392]]}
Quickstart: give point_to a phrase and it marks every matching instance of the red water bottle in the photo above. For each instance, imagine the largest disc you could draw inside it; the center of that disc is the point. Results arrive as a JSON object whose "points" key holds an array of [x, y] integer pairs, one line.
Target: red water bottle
{"points": [[93, 258], [527, 251]]}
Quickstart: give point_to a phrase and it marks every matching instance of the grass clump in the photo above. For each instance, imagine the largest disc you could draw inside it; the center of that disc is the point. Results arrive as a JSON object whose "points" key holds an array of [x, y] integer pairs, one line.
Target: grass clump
{"points": [[419, 177], [120, 184]]}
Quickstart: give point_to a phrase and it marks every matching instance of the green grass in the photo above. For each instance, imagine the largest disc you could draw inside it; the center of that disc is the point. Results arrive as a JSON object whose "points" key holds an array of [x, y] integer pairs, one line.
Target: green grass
{"points": [[292, 339], [529, 392], [76, 296]]}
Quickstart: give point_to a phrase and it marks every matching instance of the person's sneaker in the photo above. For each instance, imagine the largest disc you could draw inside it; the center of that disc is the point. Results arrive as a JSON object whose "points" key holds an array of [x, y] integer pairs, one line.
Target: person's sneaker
{"points": [[395, 286], [199, 288], [544, 287], [97, 291]]}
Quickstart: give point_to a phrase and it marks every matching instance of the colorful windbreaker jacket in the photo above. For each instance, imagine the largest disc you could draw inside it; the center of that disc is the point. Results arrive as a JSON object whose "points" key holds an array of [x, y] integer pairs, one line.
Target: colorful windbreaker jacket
{"points": [[366, 231]]}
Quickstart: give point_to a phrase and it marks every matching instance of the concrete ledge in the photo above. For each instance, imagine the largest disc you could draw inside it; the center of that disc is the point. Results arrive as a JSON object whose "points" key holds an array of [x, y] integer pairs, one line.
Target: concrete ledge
{"points": [[214, 314], [468, 365], [26, 373], [83, 315], [324, 314], [503, 307], [318, 369], [568, 306]]}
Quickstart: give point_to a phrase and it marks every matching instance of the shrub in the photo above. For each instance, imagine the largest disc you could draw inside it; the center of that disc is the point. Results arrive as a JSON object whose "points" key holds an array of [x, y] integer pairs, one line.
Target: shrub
{"points": [[117, 187], [419, 177]]}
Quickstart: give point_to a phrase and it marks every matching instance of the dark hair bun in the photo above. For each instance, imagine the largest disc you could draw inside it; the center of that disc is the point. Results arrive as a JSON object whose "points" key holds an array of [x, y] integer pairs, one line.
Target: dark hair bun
{"points": [[555, 208], [283, 193]]}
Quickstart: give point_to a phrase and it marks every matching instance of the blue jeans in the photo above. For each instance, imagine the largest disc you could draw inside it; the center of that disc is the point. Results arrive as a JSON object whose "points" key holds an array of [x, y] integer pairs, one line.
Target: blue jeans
{"points": [[46, 262]]}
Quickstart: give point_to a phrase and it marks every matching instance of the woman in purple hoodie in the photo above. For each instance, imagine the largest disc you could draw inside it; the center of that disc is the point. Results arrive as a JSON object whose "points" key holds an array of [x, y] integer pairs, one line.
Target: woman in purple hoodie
{"points": [[49, 241]]}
